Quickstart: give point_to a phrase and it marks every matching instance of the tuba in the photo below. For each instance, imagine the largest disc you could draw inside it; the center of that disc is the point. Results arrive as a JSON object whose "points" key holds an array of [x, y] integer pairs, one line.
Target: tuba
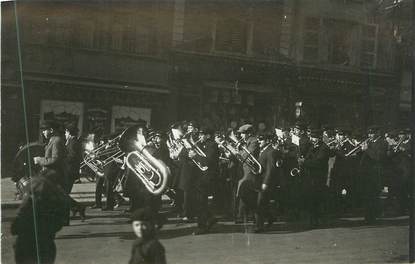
{"points": [[152, 172]]}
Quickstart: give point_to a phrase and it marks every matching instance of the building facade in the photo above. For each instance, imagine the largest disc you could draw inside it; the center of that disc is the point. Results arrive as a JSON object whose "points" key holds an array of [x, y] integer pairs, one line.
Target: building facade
{"points": [[106, 65]]}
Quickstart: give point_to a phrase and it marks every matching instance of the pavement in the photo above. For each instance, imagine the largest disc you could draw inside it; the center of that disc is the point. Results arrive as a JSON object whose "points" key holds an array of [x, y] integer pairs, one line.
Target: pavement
{"points": [[82, 192], [106, 237]]}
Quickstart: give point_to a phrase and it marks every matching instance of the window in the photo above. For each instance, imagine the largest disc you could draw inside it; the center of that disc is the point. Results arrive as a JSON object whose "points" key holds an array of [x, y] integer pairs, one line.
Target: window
{"points": [[339, 41], [116, 36], [38, 30], [86, 34], [311, 38], [368, 46], [142, 36], [61, 31], [231, 36]]}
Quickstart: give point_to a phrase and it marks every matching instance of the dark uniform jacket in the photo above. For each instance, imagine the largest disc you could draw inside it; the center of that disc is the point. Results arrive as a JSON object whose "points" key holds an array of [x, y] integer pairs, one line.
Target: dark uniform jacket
{"points": [[210, 148], [189, 172], [316, 164], [252, 146], [267, 159], [372, 164], [73, 157], [147, 252], [53, 161]]}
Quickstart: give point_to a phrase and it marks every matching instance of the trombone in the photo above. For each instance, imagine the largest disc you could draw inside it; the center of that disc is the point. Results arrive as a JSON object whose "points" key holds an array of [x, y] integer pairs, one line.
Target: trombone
{"points": [[175, 146], [249, 160], [109, 150], [191, 145], [359, 146]]}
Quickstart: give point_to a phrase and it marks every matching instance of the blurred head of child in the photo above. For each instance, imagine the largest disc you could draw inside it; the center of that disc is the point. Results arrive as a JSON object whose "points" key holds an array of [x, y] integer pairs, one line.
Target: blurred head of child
{"points": [[143, 224]]}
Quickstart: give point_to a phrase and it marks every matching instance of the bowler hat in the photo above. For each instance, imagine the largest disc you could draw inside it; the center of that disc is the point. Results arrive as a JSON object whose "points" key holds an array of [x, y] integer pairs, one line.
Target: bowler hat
{"points": [[73, 130], [373, 129], [46, 124], [142, 214], [206, 130], [315, 132]]}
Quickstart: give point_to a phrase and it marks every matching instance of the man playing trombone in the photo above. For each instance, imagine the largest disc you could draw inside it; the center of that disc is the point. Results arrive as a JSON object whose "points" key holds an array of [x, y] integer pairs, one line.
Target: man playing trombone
{"points": [[205, 219], [315, 164], [248, 149], [371, 167], [266, 182], [341, 177]]}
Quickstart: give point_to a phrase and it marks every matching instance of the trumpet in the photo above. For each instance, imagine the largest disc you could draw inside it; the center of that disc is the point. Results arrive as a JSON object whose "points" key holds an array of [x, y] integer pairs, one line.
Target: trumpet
{"points": [[152, 172], [249, 160]]}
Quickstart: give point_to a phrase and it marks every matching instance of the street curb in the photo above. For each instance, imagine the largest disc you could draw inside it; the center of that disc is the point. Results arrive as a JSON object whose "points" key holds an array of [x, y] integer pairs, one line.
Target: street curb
{"points": [[86, 202], [15, 205]]}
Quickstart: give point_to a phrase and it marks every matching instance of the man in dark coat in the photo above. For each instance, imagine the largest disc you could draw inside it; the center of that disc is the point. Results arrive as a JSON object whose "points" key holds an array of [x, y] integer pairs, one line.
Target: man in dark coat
{"points": [[205, 220], [371, 169], [246, 185], [53, 161], [315, 164], [72, 164], [36, 227], [189, 173], [266, 182], [341, 174]]}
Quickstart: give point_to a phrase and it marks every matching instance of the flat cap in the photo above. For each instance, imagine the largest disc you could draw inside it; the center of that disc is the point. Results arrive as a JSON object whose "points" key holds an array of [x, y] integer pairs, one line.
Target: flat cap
{"points": [[245, 128]]}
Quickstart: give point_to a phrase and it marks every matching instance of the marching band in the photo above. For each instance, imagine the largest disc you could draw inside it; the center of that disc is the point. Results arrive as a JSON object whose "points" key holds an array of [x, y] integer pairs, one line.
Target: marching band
{"points": [[295, 173]]}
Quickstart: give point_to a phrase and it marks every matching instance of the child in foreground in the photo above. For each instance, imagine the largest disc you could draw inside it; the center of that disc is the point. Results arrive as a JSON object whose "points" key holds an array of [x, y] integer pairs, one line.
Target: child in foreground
{"points": [[146, 248]]}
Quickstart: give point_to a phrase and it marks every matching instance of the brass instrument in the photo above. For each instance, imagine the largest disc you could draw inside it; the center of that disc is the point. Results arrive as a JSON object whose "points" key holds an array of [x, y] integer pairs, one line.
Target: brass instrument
{"points": [[396, 148], [295, 172], [249, 160], [175, 146], [103, 155], [332, 143], [358, 147], [152, 172], [191, 145]]}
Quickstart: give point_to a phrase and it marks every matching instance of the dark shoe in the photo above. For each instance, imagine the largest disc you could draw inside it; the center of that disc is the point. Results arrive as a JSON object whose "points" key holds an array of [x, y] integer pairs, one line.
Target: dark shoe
{"points": [[81, 210], [258, 230], [270, 223], [74, 211], [211, 223], [95, 206], [200, 231], [188, 219]]}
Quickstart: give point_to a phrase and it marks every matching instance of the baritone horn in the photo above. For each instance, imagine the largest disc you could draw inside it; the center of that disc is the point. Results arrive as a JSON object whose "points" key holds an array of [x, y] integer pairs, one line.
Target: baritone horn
{"points": [[152, 172]]}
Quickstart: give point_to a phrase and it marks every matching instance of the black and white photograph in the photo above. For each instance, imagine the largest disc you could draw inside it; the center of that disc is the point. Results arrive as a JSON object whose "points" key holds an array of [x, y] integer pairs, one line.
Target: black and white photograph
{"points": [[207, 131]]}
